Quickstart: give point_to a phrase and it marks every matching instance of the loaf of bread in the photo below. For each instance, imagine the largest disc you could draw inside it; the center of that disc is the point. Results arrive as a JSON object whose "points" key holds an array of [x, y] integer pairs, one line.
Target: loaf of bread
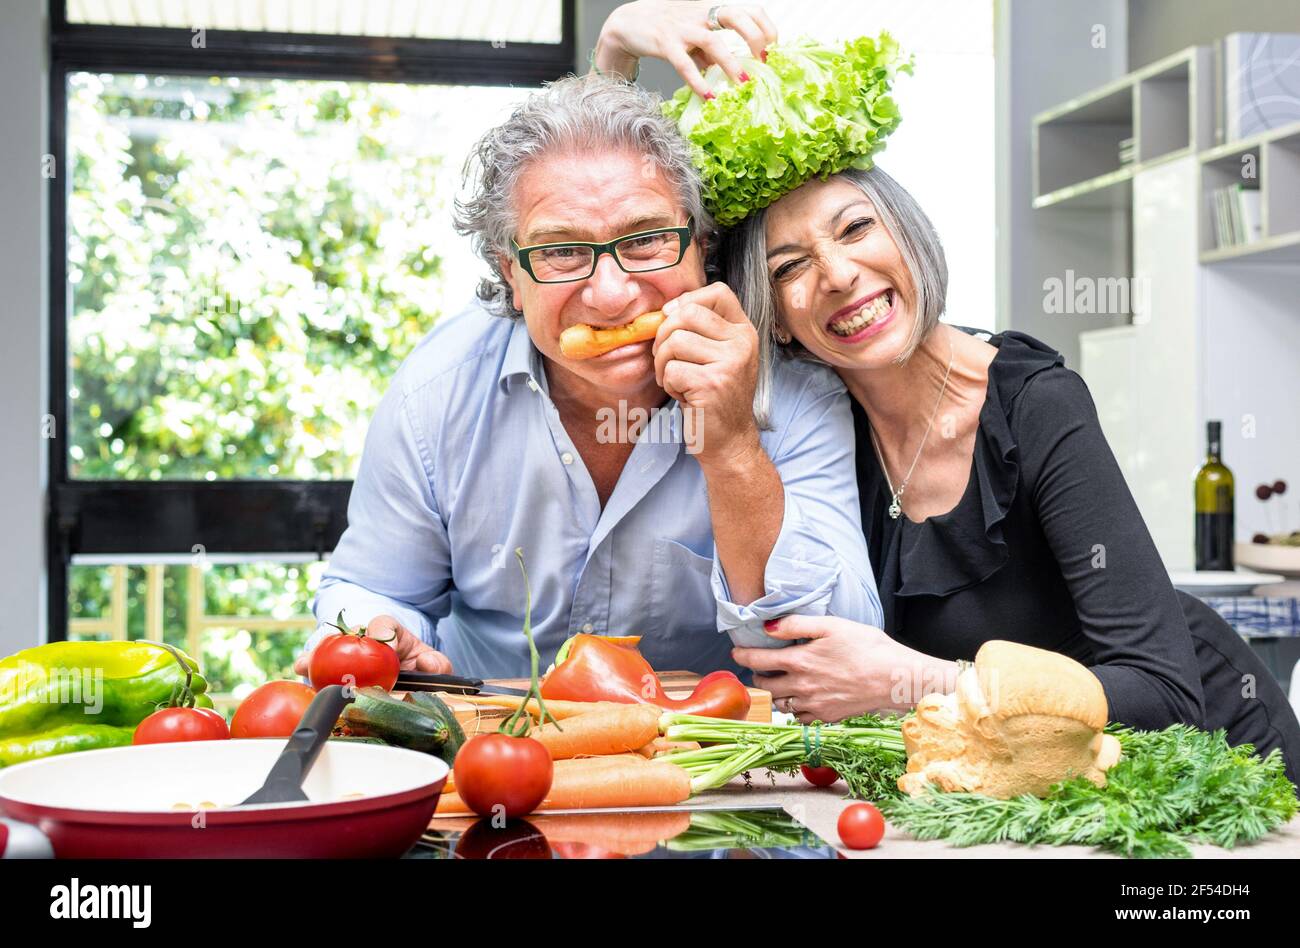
{"points": [[1020, 720]]}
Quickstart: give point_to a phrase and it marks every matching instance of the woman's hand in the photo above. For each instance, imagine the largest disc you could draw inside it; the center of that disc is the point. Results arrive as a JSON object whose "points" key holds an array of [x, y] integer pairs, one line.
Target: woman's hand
{"points": [[845, 669], [412, 651], [678, 31]]}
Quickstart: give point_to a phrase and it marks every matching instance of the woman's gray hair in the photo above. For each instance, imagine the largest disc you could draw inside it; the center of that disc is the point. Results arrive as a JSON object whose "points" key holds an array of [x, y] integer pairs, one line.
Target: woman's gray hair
{"points": [[744, 267], [585, 114]]}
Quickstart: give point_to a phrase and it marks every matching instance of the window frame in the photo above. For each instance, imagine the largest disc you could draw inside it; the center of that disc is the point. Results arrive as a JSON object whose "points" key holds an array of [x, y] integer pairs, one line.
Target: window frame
{"points": [[232, 516]]}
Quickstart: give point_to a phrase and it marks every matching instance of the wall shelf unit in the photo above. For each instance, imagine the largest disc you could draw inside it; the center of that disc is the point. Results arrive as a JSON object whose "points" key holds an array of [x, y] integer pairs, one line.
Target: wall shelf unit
{"points": [[1219, 336], [1087, 150], [1272, 161]]}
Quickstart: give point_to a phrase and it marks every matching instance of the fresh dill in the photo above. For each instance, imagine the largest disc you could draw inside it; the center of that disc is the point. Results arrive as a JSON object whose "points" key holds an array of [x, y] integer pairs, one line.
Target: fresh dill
{"points": [[1170, 788]]}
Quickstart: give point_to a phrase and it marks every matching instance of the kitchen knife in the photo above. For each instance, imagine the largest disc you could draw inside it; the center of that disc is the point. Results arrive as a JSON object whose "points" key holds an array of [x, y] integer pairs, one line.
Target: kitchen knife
{"points": [[454, 684]]}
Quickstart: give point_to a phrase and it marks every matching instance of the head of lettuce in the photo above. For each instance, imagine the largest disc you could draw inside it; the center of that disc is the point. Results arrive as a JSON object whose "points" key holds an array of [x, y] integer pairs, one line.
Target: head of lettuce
{"points": [[811, 110]]}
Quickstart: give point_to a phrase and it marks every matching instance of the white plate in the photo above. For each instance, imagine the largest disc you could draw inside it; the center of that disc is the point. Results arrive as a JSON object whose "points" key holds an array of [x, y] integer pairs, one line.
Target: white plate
{"points": [[1221, 582], [1270, 557]]}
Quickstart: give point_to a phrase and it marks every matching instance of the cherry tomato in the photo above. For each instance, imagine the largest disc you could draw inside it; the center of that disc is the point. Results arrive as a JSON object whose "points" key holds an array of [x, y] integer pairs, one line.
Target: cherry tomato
{"points": [[368, 661], [861, 826], [499, 774], [181, 724], [819, 776], [273, 710]]}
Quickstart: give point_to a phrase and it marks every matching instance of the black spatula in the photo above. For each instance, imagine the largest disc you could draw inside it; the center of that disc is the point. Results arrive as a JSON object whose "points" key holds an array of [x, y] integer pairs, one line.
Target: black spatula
{"points": [[284, 782]]}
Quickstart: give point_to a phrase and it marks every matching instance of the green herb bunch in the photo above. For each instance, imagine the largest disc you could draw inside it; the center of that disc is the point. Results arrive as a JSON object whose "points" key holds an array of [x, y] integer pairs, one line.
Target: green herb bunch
{"points": [[1172, 787]]}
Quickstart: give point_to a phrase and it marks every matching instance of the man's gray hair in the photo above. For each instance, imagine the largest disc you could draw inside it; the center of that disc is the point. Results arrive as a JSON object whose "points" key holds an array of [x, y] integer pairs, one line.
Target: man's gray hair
{"points": [[745, 270], [581, 114]]}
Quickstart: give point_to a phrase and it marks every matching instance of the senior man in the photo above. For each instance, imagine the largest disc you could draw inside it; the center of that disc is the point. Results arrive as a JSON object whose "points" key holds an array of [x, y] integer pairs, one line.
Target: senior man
{"points": [[704, 520]]}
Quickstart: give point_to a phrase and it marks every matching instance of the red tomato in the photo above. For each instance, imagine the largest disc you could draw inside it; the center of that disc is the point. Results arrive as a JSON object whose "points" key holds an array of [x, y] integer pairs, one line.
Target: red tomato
{"points": [[181, 724], [368, 661], [819, 776], [518, 839], [861, 826], [496, 773], [273, 710]]}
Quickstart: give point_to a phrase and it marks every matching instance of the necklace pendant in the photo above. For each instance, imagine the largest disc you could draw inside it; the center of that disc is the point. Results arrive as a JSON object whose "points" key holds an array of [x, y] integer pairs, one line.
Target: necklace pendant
{"points": [[895, 509]]}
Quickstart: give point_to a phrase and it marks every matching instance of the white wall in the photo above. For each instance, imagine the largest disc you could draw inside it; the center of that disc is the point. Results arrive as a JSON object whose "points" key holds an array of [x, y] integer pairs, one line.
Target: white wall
{"points": [[1250, 365], [1157, 28], [23, 240]]}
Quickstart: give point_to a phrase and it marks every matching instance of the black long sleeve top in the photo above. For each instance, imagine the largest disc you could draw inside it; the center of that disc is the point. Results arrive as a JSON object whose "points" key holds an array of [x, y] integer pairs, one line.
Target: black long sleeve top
{"points": [[1047, 547]]}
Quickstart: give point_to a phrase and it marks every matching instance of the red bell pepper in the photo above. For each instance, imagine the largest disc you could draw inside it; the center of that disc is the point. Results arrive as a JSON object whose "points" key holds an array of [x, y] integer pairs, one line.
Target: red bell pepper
{"points": [[593, 669]]}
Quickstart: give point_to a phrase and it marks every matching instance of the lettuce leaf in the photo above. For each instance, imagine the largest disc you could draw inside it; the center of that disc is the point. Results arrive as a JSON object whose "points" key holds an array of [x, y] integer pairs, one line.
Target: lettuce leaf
{"points": [[810, 110]]}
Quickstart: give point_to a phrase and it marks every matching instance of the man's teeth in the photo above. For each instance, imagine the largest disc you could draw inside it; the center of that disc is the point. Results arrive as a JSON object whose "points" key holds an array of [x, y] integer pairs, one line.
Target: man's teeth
{"points": [[856, 322]]}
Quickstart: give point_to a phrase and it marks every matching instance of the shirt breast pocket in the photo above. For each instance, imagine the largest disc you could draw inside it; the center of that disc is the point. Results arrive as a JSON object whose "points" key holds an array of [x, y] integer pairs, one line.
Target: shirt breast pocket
{"points": [[685, 628]]}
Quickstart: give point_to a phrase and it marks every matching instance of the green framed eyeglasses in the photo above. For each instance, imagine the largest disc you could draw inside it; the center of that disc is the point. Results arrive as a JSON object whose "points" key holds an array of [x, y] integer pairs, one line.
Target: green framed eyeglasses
{"points": [[574, 260]]}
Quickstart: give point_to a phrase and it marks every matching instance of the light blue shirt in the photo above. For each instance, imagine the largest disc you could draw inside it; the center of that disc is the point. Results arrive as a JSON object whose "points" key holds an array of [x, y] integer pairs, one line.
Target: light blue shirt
{"points": [[466, 459]]}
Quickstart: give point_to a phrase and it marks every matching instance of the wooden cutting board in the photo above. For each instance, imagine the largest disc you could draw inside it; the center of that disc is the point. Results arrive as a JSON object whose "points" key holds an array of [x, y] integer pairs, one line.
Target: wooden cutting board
{"points": [[476, 718]]}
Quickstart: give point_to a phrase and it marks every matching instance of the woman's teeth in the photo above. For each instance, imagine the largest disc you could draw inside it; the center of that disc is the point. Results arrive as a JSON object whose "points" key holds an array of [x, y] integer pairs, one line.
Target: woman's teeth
{"points": [[856, 322]]}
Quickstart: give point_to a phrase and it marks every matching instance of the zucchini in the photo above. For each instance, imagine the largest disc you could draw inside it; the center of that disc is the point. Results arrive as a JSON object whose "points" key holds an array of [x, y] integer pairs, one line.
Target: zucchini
{"points": [[359, 740], [376, 713], [455, 733]]}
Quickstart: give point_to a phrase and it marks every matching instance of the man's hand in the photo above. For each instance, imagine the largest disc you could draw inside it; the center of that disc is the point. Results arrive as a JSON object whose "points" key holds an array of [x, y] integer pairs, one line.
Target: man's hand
{"points": [[412, 651], [706, 357]]}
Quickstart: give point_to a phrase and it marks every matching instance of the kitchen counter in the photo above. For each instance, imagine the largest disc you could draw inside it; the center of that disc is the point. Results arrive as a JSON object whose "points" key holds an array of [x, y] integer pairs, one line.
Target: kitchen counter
{"points": [[819, 808]]}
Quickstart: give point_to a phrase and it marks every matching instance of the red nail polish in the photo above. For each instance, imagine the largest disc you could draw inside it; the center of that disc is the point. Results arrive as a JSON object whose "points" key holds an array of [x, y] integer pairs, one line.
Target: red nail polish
{"points": [[709, 95], [770, 625], [744, 77], [763, 55]]}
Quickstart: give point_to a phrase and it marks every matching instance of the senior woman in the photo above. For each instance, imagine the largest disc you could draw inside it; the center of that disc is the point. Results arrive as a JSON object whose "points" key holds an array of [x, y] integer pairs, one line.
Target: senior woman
{"points": [[991, 503]]}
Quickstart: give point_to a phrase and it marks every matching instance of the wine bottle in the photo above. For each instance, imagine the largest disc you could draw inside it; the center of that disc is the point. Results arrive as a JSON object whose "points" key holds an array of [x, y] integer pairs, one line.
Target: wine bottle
{"points": [[1214, 492]]}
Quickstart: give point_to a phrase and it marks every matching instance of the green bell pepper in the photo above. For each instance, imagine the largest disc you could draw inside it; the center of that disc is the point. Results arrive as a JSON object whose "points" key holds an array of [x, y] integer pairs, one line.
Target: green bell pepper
{"points": [[20, 748], [68, 696]]}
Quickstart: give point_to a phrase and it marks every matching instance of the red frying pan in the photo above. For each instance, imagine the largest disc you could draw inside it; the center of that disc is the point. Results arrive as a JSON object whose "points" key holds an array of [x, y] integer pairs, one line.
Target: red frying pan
{"points": [[182, 801]]}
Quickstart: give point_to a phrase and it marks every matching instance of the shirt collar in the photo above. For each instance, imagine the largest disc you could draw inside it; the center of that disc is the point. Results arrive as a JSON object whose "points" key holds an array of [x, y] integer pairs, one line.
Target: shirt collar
{"points": [[521, 356], [522, 361]]}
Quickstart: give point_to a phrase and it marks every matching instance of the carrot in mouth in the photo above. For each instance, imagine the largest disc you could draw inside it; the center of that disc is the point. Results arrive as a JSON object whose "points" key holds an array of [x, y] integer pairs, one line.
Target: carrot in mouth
{"points": [[587, 342]]}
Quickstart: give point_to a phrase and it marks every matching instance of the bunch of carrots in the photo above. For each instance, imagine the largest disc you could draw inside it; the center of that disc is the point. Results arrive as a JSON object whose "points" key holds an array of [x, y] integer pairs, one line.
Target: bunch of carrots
{"points": [[624, 755], [604, 756], [645, 749]]}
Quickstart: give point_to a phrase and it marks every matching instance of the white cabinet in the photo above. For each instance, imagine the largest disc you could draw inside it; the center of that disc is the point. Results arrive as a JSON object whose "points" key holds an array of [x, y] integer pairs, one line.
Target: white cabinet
{"points": [[1144, 377]]}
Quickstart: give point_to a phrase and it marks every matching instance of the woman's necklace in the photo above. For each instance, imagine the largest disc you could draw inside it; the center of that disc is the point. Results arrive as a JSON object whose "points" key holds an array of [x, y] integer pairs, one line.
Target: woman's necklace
{"points": [[896, 496]]}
